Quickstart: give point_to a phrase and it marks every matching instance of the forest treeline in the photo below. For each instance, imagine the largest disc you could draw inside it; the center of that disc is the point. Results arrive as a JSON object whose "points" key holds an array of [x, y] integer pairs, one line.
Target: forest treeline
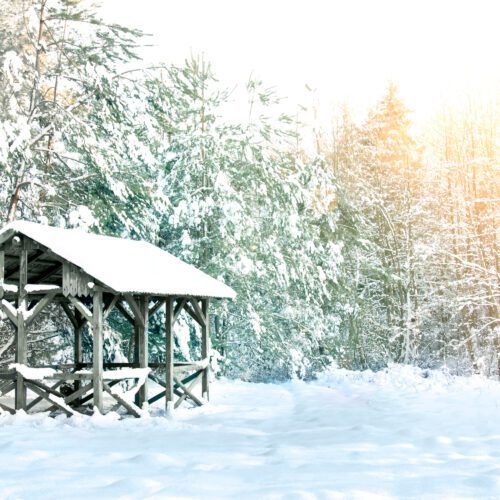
{"points": [[372, 246]]}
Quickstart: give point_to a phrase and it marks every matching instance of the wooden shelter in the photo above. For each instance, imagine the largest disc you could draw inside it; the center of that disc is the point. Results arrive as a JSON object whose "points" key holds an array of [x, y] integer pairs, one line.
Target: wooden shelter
{"points": [[88, 276]]}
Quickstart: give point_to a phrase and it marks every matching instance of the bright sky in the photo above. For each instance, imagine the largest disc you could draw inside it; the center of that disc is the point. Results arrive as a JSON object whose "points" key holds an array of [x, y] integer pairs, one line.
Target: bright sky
{"points": [[346, 49]]}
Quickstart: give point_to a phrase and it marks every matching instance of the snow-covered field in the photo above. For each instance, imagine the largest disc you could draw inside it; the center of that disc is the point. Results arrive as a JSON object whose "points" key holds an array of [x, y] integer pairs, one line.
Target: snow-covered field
{"points": [[401, 433]]}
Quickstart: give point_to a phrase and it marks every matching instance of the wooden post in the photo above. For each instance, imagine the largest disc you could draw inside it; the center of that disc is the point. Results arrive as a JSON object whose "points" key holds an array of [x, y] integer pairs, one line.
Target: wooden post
{"points": [[78, 328], [80, 323], [97, 360], [21, 355], [2, 272], [141, 327], [169, 354], [205, 348]]}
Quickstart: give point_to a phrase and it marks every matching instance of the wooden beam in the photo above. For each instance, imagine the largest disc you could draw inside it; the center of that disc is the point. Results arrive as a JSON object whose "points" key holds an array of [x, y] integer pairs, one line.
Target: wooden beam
{"points": [[69, 313], [169, 353], [2, 272], [82, 308], [90, 396], [136, 309], [33, 313], [38, 255], [191, 312], [39, 398], [47, 396], [178, 309], [110, 306], [205, 349], [80, 322], [46, 388], [73, 376], [77, 343], [155, 307], [7, 388], [7, 409], [199, 312], [188, 391], [78, 393], [155, 398], [130, 407], [142, 348], [47, 273], [97, 360], [9, 310], [6, 236], [21, 354], [125, 313]]}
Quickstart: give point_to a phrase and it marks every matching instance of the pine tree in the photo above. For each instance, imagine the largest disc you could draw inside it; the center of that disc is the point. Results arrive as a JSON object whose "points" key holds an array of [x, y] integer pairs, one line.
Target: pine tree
{"points": [[244, 208], [72, 133]]}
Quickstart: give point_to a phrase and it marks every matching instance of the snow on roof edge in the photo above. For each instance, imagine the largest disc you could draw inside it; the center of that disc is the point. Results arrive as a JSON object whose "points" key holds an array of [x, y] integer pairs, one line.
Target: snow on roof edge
{"points": [[156, 272]]}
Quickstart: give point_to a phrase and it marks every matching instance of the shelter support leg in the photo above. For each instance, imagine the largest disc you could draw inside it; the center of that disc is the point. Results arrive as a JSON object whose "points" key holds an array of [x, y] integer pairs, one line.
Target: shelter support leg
{"points": [[2, 272], [78, 352], [141, 328], [97, 359], [21, 355], [80, 323], [169, 353], [205, 348]]}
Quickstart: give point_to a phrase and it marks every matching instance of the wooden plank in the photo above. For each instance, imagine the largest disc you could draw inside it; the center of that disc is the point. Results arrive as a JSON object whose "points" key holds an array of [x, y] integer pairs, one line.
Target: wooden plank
{"points": [[82, 308], [21, 354], [97, 360], [45, 387], [77, 343], [205, 349], [72, 376], [47, 397], [78, 348], [33, 313], [155, 307], [32, 258], [47, 273], [69, 313], [130, 407], [178, 309], [106, 375], [136, 308], [7, 388], [154, 378], [188, 391], [90, 396], [158, 396], [110, 307], [9, 310], [169, 353], [6, 236], [7, 409], [39, 398], [78, 393], [191, 312], [125, 313], [199, 312], [142, 351], [2, 272]]}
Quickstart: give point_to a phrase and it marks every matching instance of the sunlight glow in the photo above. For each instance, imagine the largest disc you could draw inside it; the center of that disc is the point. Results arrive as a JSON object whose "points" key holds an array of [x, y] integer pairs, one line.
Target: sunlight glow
{"points": [[346, 50]]}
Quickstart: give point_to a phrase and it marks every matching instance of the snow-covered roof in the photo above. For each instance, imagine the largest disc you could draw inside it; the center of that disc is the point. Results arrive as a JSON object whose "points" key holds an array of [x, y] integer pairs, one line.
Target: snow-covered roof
{"points": [[126, 266]]}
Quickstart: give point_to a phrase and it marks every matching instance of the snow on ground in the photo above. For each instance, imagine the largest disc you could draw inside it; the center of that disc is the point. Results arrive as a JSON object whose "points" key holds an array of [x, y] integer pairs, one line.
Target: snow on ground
{"points": [[401, 433]]}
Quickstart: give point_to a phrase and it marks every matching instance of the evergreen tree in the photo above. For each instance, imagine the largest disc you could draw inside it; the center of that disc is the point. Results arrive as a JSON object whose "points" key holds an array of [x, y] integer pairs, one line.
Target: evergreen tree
{"points": [[72, 132], [244, 208]]}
